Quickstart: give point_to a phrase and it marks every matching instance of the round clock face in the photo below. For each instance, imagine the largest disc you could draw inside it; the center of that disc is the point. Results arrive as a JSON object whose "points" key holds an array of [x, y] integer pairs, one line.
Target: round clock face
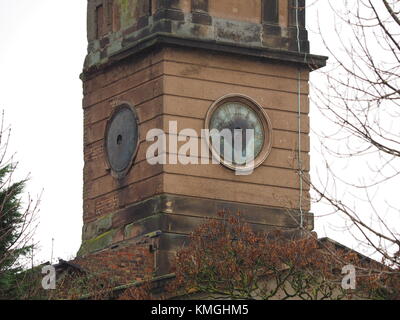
{"points": [[121, 139], [237, 118], [243, 131]]}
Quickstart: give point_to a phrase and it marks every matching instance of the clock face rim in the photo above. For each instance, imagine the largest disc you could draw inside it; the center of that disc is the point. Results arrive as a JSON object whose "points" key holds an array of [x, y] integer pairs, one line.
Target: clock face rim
{"points": [[118, 174], [264, 119]]}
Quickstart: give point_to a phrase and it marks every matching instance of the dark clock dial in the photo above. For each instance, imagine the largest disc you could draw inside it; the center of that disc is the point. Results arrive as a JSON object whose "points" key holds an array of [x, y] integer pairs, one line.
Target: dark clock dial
{"points": [[121, 139]]}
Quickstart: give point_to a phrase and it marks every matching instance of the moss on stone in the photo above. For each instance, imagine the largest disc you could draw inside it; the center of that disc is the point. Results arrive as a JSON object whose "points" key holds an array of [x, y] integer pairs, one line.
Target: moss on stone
{"points": [[97, 243], [141, 222], [98, 227]]}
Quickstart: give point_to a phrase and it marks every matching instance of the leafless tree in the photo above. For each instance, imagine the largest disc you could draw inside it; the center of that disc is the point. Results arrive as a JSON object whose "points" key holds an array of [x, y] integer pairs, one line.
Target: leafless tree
{"points": [[359, 94]]}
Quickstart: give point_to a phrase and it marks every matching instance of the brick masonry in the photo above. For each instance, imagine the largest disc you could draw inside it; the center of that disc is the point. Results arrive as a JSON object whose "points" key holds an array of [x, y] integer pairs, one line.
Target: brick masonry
{"points": [[121, 265]]}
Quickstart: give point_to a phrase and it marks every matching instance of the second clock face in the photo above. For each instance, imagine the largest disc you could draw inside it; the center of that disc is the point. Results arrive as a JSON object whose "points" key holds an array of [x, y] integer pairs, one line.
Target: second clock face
{"points": [[239, 119], [121, 139]]}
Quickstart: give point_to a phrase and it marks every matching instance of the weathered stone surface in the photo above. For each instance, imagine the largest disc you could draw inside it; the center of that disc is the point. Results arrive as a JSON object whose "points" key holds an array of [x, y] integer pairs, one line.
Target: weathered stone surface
{"points": [[170, 60], [97, 227], [181, 215], [95, 244], [265, 25]]}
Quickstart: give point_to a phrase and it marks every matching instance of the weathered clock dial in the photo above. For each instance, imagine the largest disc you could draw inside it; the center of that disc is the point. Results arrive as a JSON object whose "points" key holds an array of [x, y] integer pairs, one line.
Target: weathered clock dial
{"points": [[121, 141], [249, 129]]}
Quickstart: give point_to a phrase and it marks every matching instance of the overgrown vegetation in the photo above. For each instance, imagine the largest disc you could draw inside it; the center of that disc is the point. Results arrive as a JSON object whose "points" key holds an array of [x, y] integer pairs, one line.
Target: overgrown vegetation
{"points": [[17, 225], [226, 259]]}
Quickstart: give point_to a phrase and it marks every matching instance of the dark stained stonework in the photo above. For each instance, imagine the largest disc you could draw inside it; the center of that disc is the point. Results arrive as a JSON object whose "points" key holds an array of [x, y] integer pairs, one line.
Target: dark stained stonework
{"points": [[200, 12], [268, 38], [200, 5], [169, 219], [270, 11], [168, 4], [155, 41], [180, 215], [201, 18], [169, 14], [297, 26], [300, 17]]}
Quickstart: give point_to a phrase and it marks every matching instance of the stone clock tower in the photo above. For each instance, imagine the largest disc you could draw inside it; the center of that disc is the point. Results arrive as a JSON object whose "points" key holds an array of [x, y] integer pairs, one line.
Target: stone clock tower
{"points": [[192, 65]]}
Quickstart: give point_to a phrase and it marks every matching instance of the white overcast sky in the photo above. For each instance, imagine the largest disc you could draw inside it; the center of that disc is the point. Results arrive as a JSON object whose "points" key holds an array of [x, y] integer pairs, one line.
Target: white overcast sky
{"points": [[43, 45]]}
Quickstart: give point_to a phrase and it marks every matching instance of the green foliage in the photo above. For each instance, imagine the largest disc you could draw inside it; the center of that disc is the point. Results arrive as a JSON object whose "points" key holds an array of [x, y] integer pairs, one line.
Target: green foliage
{"points": [[13, 224]]}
